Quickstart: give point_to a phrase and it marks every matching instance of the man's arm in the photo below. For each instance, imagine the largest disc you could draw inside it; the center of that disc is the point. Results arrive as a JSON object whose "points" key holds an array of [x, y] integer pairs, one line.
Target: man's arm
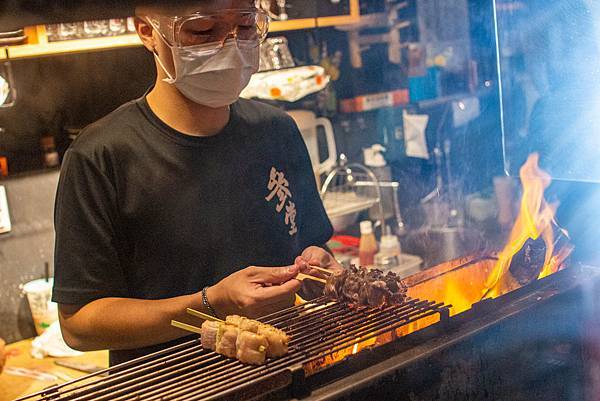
{"points": [[125, 323]]}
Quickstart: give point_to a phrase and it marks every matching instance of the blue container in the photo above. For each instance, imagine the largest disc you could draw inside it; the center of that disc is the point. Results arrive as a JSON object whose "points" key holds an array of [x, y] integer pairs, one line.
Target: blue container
{"points": [[426, 86]]}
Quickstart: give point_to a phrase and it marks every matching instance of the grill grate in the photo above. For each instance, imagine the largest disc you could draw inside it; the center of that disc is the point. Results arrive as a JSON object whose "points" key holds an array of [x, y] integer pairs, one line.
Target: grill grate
{"points": [[188, 372]]}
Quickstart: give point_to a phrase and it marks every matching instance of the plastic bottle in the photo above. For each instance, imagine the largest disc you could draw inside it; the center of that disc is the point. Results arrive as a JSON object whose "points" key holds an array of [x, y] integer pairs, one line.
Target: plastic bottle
{"points": [[389, 255], [376, 163], [51, 157], [374, 160], [368, 244]]}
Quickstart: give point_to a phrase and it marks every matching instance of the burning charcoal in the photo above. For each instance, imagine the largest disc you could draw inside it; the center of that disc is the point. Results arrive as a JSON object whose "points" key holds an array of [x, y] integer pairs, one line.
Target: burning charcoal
{"points": [[366, 287], [527, 264]]}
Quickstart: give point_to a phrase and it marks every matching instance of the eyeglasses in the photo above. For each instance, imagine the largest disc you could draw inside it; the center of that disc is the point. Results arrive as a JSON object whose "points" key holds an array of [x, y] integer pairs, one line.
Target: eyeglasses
{"points": [[248, 26]]}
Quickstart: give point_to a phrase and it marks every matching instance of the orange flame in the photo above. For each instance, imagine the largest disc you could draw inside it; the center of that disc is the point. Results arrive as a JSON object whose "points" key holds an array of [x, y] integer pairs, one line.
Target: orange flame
{"points": [[461, 284], [463, 287], [535, 220]]}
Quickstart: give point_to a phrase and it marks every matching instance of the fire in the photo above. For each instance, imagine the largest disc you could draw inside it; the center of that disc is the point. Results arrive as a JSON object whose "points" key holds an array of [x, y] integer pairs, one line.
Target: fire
{"points": [[535, 221], [531, 245], [530, 253]]}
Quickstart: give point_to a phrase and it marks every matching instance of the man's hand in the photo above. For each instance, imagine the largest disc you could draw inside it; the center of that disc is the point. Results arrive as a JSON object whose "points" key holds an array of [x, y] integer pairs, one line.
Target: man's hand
{"points": [[316, 256], [255, 291], [126, 323]]}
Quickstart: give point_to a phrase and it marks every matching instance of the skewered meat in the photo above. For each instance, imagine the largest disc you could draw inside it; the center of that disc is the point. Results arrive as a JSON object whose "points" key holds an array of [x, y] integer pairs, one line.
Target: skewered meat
{"points": [[233, 320], [366, 287], [249, 340], [277, 339], [243, 323], [209, 334], [226, 340], [249, 325], [251, 348]]}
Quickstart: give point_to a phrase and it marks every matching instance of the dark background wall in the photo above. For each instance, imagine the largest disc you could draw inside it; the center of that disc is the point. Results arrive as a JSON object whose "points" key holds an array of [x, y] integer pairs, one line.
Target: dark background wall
{"points": [[68, 91]]}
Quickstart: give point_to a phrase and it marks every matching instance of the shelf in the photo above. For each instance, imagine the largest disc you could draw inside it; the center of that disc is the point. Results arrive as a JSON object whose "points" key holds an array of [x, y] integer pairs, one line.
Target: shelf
{"points": [[293, 24], [38, 45], [72, 46]]}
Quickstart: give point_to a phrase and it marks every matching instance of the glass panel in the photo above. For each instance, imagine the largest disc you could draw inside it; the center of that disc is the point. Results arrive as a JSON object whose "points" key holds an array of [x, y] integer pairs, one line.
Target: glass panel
{"points": [[549, 62]]}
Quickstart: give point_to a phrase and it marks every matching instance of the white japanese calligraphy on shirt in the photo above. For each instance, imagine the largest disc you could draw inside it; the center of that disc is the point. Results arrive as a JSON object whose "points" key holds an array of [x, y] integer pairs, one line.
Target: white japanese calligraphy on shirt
{"points": [[279, 188]]}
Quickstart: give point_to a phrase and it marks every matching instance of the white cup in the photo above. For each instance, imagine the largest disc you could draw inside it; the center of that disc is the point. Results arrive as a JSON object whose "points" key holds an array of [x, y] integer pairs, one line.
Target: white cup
{"points": [[43, 310]]}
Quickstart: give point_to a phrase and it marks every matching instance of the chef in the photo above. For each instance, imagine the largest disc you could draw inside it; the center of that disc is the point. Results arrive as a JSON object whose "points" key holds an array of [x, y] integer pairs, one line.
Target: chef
{"points": [[187, 196]]}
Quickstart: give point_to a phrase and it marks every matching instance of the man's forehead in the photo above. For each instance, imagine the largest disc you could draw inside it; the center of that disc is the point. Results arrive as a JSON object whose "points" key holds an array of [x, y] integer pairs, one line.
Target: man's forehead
{"points": [[190, 7]]}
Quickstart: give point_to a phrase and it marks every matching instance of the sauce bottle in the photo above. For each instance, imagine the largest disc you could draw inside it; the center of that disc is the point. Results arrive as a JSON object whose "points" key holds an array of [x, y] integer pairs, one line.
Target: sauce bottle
{"points": [[367, 247]]}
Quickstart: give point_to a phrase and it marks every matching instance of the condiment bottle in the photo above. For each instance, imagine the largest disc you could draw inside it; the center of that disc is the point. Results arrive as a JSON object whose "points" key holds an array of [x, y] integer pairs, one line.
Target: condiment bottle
{"points": [[389, 255], [51, 158], [367, 247], [3, 159]]}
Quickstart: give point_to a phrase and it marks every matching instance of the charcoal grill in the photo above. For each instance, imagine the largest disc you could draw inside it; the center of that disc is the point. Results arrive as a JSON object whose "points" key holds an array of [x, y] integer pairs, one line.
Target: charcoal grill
{"points": [[421, 347], [319, 329]]}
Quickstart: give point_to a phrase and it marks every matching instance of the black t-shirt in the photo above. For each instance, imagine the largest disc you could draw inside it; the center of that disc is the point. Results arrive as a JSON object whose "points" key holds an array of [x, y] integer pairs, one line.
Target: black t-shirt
{"points": [[144, 211]]}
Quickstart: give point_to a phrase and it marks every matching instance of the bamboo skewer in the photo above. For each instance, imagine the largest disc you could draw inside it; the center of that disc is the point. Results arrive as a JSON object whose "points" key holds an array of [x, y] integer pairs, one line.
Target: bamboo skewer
{"points": [[186, 327], [320, 269], [201, 315], [204, 316], [302, 276]]}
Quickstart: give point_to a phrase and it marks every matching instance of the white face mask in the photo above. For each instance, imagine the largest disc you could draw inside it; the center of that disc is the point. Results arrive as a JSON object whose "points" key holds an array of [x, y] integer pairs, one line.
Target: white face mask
{"points": [[212, 79]]}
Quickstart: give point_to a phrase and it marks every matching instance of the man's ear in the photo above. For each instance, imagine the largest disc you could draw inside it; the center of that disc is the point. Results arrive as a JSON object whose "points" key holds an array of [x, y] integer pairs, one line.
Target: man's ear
{"points": [[144, 31]]}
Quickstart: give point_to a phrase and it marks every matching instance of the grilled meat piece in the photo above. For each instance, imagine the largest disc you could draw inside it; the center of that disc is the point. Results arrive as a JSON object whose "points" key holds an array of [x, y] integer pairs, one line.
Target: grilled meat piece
{"points": [[366, 287], [233, 320], [248, 340], [250, 325], [277, 339], [209, 334], [251, 348], [243, 323], [226, 340]]}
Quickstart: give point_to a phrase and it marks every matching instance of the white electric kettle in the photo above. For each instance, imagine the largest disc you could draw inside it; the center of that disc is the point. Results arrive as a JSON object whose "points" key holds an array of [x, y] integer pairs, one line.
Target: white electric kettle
{"points": [[308, 123]]}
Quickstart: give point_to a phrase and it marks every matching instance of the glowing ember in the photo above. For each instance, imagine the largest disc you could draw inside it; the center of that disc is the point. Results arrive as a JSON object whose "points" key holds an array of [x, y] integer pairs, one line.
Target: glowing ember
{"points": [[355, 349]]}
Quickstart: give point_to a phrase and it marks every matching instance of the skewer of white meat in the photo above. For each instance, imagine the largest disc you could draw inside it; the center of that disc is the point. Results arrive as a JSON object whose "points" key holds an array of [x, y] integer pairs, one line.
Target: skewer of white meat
{"points": [[228, 338], [277, 339]]}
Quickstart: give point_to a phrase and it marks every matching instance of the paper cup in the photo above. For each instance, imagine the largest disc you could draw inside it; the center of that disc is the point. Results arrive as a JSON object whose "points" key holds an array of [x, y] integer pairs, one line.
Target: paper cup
{"points": [[43, 310]]}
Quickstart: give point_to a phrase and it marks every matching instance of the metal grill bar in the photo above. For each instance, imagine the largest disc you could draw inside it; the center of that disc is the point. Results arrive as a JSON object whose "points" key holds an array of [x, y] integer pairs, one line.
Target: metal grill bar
{"points": [[187, 372], [239, 373], [296, 345], [131, 366], [317, 348]]}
